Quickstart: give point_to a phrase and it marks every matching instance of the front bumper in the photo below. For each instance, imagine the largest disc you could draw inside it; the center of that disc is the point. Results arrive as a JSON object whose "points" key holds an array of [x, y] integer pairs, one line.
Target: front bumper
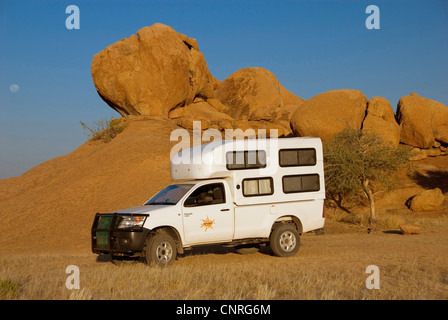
{"points": [[107, 238]]}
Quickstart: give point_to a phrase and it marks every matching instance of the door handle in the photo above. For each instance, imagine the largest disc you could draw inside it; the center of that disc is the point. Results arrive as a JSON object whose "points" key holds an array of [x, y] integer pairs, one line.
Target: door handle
{"points": [[225, 209]]}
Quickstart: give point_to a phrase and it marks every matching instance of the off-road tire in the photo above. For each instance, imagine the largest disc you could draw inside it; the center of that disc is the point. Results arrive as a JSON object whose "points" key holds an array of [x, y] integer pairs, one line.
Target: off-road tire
{"points": [[160, 250], [284, 240]]}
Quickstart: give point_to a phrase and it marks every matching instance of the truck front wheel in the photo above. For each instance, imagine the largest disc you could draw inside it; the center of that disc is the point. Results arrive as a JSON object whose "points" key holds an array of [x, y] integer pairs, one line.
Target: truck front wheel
{"points": [[284, 240], [160, 250]]}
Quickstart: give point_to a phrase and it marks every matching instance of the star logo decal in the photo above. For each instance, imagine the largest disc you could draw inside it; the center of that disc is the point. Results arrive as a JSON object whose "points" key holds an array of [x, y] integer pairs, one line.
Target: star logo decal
{"points": [[207, 223]]}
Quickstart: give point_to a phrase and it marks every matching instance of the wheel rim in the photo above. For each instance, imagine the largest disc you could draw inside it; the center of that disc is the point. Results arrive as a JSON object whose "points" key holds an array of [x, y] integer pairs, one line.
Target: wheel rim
{"points": [[288, 241], [164, 252]]}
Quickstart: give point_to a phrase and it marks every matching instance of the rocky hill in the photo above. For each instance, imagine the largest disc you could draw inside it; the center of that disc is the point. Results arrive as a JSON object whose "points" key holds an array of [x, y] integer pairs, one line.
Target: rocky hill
{"points": [[52, 205]]}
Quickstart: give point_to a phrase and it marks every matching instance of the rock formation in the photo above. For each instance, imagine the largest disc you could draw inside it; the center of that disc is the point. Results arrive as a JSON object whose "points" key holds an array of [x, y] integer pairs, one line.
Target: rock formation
{"points": [[427, 200], [410, 229], [249, 89], [328, 113], [380, 120], [152, 72], [199, 110], [160, 72], [424, 121]]}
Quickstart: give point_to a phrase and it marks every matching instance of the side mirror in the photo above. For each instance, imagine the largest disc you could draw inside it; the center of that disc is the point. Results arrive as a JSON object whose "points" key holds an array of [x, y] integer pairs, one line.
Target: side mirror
{"points": [[191, 202]]}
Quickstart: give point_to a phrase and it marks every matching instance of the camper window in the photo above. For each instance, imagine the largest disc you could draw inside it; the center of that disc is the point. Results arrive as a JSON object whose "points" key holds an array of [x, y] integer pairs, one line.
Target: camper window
{"points": [[258, 187], [301, 183], [237, 160], [297, 157]]}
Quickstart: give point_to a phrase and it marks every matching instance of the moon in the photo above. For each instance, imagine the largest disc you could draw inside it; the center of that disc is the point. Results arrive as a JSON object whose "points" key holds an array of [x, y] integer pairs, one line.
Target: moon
{"points": [[14, 88]]}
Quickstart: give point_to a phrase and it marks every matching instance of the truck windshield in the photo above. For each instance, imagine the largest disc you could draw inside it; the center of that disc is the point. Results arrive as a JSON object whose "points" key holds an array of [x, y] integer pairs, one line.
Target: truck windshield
{"points": [[170, 195]]}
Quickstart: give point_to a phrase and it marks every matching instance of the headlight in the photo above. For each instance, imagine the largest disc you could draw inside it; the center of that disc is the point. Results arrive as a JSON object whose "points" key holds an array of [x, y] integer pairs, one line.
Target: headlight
{"points": [[131, 222]]}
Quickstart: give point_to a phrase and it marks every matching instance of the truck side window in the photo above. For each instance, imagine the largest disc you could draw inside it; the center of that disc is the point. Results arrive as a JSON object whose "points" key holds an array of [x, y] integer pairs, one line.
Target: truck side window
{"points": [[297, 157], [301, 183], [206, 195], [258, 187]]}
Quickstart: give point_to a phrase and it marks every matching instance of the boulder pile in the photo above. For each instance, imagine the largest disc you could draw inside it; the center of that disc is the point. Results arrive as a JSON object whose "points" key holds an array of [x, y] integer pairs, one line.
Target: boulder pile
{"points": [[161, 73]]}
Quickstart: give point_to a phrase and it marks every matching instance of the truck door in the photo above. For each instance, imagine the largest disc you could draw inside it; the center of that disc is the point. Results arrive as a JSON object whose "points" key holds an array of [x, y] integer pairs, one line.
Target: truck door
{"points": [[208, 214]]}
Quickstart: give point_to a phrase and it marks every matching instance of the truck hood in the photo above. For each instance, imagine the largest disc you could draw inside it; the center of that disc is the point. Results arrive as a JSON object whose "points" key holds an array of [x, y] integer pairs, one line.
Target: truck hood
{"points": [[147, 209]]}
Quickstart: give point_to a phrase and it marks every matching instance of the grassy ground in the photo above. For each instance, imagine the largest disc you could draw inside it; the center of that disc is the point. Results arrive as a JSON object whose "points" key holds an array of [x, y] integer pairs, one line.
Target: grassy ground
{"points": [[329, 266]]}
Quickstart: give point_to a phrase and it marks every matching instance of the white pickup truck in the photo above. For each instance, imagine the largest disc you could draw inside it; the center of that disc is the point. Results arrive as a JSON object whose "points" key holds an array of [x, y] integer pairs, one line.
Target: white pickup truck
{"points": [[238, 193]]}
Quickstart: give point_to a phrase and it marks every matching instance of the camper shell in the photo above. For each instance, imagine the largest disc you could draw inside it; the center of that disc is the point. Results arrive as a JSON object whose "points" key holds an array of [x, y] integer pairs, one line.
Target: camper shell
{"points": [[238, 192]]}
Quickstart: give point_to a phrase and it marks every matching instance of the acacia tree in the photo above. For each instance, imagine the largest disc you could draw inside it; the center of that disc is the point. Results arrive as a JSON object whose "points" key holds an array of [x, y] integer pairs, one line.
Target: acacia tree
{"points": [[357, 162]]}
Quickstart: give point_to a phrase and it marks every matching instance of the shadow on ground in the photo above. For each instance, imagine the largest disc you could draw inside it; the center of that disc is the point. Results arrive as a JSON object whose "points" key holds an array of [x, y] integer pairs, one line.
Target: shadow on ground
{"points": [[432, 179], [393, 231], [198, 250]]}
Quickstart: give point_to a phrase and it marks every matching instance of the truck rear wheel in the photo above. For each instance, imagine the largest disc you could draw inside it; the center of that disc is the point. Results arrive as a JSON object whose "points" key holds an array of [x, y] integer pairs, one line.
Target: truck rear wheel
{"points": [[160, 250], [284, 240]]}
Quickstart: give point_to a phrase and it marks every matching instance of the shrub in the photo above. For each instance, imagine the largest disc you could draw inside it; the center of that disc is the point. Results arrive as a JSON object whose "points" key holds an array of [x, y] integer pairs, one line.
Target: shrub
{"points": [[358, 162], [104, 129]]}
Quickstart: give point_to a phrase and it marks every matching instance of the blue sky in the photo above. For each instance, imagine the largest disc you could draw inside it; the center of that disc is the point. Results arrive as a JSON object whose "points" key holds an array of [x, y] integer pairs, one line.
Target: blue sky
{"points": [[310, 46]]}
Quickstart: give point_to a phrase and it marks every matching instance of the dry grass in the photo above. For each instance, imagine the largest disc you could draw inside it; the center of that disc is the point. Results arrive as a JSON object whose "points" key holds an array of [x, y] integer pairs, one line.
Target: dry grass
{"points": [[330, 266], [104, 129], [227, 282], [8, 289], [388, 218], [206, 281], [383, 221]]}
